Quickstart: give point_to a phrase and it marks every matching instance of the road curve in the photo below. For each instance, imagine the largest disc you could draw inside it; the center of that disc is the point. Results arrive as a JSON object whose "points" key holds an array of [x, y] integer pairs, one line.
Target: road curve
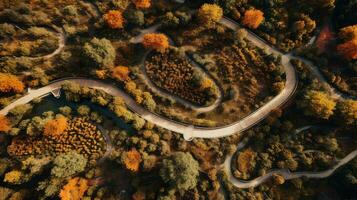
{"points": [[283, 172], [189, 132]]}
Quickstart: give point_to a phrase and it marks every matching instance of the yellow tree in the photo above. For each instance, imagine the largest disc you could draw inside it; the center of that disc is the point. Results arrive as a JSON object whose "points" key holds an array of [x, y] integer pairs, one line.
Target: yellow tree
{"points": [[10, 83], [55, 127], [114, 19], [5, 125], [74, 189], [142, 3], [253, 18], [156, 41], [318, 104], [121, 73], [209, 14]]}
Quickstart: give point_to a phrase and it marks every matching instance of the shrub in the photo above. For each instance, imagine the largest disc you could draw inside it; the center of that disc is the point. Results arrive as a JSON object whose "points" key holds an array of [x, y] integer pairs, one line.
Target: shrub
{"points": [[156, 41], [252, 18], [318, 104], [180, 171], [135, 17], [99, 53], [347, 112], [120, 73], [132, 160], [114, 19], [209, 14], [68, 164], [142, 3], [13, 177], [10, 83], [74, 189], [55, 126], [5, 125]]}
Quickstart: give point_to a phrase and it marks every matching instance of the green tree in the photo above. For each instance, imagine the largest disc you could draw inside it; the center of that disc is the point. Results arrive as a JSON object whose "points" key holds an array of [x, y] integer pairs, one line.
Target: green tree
{"points": [[83, 110], [68, 164], [135, 17], [180, 171], [98, 53]]}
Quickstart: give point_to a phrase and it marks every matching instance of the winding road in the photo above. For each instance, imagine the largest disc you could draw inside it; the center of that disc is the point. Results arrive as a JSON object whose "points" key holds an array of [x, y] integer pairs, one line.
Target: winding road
{"points": [[190, 132], [61, 44]]}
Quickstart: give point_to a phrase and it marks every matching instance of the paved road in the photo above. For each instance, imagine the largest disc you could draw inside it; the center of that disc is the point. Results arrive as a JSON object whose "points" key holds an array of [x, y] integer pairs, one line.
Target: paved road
{"points": [[189, 132], [284, 172]]}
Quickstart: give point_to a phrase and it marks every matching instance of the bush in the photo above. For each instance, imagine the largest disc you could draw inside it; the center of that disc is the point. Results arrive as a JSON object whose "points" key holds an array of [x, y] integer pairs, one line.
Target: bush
{"points": [[99, 53], [66, 165]]}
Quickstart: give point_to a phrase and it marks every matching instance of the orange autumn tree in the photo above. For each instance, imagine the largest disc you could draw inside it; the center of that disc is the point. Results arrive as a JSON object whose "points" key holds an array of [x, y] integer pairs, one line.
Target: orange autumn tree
{"points": [[5, 125], [74, 189], [156, 41], [142, 3], [10, 83], [252, 18], [114, 19], [55, 127], [349, 47], [121, 73], [132, 160]]}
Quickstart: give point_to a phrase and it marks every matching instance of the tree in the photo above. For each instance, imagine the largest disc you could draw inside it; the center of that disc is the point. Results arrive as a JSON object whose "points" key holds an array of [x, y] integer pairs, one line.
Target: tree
{"points": [[135, 17], [10, 83], [5, 125], [156, 41], [120, 73], [349, 46], [318, 104], [14, 177], [114, 19], [253, 18], [83, 110], [347, 112], [142, 3], [132, 160], [180, 171], [209, 14], [55, 127], [68, 164], [74, 189], [348, 49], [98, 53]]}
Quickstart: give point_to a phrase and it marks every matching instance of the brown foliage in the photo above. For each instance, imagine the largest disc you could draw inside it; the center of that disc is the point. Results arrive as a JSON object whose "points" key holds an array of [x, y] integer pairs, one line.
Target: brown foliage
{"points": [[252, 18], [132, 160], [121, 73], [10, 83], [142, 3], [5, 125], [80, 136], [55, 126], [349, 47], [114, 19], [74, 189], [244, 160], [156, 41], [174, 74]]}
